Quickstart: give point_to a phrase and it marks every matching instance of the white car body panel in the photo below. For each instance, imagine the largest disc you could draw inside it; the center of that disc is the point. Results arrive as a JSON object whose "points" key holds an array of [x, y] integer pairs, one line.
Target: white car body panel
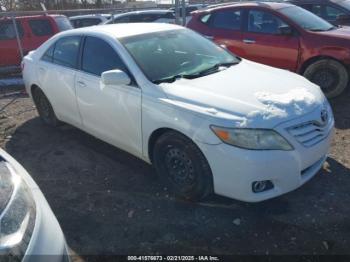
{"points": [[98, 104], [47, 238], [60, 88], [190, 107]]}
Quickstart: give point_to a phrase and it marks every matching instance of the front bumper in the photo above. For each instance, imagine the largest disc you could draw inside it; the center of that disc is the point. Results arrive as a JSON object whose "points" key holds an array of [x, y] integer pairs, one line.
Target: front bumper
{"points": [[235, 169], [47, 238]]}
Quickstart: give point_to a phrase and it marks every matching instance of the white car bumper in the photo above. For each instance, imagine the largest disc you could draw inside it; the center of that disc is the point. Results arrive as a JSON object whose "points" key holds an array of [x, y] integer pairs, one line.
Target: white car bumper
{"points": [[235, 169]]}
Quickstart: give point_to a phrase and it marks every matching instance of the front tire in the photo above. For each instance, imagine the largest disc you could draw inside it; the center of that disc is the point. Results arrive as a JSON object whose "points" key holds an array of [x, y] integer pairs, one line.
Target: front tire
{"points": [[44, 108], [182, 166], [330, 75]]}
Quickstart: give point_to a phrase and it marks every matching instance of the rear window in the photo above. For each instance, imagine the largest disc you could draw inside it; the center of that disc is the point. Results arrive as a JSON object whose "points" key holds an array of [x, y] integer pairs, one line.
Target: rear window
{"points": [[7, 30], [123, 19], [144, 18], [41, 27], [84, 22], [63, 23], [170, 15]]}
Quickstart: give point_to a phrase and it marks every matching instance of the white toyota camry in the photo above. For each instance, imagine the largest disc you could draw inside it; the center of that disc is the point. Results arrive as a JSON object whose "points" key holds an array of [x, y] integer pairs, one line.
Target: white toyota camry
{"points": [[207, 120]]}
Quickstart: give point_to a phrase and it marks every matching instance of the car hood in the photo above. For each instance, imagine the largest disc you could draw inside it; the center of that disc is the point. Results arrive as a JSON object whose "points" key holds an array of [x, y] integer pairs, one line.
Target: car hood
{"points": [[251, 94], [341, 32]]}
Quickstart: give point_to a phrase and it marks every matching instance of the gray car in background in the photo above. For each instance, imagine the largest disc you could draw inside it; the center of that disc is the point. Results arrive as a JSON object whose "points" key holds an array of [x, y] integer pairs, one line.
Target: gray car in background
{"points": [[88, 20], [145, 16]]}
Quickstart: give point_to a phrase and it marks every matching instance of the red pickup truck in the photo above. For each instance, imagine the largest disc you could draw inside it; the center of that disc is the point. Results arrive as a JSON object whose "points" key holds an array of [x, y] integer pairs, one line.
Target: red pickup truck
{"points": [[281, 35], [32, 30]]}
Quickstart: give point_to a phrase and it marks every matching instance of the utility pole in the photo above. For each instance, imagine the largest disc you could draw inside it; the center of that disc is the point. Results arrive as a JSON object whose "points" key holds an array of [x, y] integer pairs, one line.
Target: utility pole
{"points": [[183, 9], [177, 12], [17, 36]]}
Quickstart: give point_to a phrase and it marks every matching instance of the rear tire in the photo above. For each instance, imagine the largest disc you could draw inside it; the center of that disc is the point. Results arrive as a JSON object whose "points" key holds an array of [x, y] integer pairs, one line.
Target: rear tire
{"points": [[330, 75], [182, 166], [44, 108]]}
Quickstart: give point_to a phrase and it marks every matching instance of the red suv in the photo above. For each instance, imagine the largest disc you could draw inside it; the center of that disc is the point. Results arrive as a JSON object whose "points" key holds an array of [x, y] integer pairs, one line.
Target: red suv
{"points": [[33, 31], [281, 35]]}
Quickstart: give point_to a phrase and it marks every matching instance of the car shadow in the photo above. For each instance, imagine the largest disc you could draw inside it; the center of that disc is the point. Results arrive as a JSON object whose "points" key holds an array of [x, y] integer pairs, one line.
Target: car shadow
{"points": [[106, 200], [341, 109]]}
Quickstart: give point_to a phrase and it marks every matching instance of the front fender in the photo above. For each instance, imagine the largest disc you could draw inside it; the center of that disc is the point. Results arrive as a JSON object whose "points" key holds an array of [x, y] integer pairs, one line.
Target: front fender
{"points": [[162, 113]]}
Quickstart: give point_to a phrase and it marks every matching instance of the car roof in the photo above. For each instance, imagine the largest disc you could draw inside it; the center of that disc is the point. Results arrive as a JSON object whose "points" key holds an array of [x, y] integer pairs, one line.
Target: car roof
{"points": [[271, 5], [156, 11], [316, 1], [32, 16], [124, 29], [89, 16]]}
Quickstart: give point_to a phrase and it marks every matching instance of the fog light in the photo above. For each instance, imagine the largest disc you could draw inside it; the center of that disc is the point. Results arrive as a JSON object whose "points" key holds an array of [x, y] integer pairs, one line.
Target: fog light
{"points": [[261, 186]]}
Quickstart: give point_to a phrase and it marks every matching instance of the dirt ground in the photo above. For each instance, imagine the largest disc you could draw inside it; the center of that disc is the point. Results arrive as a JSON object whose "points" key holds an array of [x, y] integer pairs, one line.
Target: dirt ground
{"points": [[109, 202]]}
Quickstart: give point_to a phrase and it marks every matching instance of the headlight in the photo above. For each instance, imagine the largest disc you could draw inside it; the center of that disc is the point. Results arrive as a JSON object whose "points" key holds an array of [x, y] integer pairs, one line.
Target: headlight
{"points": [[255, 139], [17, 212]]}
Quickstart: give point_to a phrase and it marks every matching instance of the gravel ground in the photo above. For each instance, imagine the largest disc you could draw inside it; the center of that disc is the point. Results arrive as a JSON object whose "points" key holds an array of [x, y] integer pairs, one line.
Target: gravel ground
{"points": [[109, 202]]}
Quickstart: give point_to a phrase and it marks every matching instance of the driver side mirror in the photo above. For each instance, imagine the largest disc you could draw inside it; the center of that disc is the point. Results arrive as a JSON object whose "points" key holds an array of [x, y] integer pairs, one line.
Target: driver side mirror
{"points": [[115, 77], [285, 30]]}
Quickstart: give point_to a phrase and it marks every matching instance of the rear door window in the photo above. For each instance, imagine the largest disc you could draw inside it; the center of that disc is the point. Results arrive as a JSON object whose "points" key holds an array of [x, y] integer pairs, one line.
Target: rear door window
{"points": [[7, 30], [226, 19], [66, 51], [41, 27], [48, 55]]}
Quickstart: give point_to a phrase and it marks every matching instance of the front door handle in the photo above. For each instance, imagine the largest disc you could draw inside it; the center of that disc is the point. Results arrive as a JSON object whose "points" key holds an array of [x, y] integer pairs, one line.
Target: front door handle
{"points": [[249, 41], [210, 37], [81, 84]]}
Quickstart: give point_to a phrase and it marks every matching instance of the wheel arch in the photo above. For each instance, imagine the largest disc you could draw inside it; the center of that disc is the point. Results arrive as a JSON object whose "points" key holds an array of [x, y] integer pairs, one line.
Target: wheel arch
{"points": [[314, 59], [32, 88], [156, 134]]}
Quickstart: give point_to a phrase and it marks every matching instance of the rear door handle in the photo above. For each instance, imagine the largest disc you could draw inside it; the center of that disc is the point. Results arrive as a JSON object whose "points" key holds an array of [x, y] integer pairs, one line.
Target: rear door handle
{"points": [[81, 84], [210, 37], [249, 41]]}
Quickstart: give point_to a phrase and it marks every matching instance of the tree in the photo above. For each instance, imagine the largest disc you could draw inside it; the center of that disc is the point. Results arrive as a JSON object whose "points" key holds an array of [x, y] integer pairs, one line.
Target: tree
{"points": [[8, 4]]}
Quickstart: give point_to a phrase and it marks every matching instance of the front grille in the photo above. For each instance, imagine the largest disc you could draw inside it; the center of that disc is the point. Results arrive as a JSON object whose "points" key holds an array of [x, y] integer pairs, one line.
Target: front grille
{"points": [[309, 133]]}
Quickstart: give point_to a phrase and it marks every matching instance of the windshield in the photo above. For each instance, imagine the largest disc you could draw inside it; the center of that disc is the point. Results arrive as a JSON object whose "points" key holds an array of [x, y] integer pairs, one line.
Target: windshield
{"points": [[181, 52], [306, 19]]}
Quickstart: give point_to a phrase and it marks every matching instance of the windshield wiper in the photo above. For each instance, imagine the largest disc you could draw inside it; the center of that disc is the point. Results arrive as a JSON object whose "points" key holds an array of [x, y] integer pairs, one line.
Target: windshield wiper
{"points": [[211, 70], [207, 71], [170, 79], [322, 30]]}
